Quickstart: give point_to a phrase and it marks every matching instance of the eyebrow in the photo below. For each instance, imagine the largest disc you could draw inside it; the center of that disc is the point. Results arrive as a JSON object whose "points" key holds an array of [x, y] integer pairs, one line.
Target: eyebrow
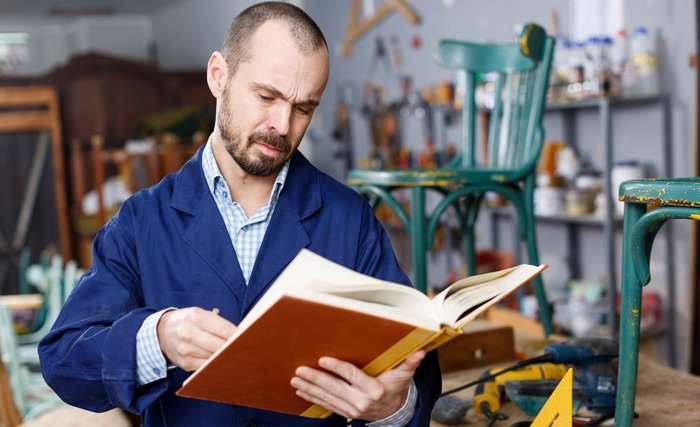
{"points": [[276, 93]]}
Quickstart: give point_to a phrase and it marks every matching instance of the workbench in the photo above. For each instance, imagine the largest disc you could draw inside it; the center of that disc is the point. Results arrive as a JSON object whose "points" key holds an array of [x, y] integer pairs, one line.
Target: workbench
{"points": [[665, 397]]}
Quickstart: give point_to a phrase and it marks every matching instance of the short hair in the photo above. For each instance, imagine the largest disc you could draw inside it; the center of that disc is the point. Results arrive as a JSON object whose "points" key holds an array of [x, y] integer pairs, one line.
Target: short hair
{"points": [[304, 31]]}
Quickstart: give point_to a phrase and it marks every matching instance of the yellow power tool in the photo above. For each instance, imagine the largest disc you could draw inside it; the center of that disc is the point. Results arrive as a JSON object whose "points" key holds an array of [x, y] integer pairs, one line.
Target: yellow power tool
{"points": [[487, 396]]}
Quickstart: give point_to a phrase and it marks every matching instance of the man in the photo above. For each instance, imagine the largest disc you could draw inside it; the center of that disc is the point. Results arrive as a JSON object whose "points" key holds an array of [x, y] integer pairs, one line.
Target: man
{"points": [[216, 234]]}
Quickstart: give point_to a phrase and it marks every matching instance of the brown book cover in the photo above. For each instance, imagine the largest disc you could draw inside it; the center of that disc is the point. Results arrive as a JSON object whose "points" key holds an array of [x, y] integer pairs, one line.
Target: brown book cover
{"points": [[295, 333], [318, 308]]}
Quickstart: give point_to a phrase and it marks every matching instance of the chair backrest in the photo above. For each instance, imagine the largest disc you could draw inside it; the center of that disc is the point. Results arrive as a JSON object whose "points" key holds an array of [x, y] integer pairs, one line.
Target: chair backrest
{"points": [[518, 75]]}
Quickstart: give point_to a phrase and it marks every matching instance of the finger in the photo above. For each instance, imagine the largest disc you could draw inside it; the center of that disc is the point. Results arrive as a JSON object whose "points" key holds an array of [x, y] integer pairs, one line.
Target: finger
{"points": [[323, 403], [190, 363], [353, 375], [409, 366], [185, 349], [212, 323], [328, 383], [206, 341], [327, 399]]}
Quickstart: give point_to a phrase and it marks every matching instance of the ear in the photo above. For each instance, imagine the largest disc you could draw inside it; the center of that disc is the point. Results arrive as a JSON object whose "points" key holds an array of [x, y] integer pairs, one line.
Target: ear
{"points": [[217, 74]]}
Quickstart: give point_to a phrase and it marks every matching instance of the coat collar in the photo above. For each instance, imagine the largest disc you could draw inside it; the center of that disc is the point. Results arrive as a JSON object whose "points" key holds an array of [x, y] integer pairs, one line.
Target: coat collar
{"points": [[285, 236], [302, 184]]}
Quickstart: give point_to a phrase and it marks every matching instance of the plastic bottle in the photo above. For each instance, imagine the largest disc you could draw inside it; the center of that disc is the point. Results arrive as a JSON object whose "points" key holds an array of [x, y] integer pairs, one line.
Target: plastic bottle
{"points": [[560, 76], [645, 65], [619, 62], [604, 68], [591, 50]]}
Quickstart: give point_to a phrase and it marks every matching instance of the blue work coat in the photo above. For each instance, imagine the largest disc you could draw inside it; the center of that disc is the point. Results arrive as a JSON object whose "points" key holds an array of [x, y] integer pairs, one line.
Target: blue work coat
{"points": [[168, 247]]}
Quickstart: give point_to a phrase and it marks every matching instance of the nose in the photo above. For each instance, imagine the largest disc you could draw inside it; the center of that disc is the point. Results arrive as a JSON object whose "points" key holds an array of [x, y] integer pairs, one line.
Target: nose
{"points": [[279, 118]]}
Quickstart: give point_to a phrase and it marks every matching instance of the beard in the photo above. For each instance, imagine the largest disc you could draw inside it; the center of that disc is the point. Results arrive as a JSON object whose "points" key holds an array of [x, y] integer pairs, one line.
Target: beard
{"points": [[251, 160]]}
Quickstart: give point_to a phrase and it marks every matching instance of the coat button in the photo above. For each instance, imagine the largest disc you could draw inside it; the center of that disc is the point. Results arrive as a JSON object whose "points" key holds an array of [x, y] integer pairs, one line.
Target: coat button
{"points": [[251, 423]]}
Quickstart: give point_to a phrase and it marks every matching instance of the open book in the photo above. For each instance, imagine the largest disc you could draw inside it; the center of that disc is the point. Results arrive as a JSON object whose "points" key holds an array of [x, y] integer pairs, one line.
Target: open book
{"points": [[318, 308]]}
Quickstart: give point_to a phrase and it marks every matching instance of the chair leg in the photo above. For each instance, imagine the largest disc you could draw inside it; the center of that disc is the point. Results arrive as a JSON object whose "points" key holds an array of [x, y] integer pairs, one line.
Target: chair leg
{"points": [[471, 214], [630, 314], [469, 249], [418, 240]]}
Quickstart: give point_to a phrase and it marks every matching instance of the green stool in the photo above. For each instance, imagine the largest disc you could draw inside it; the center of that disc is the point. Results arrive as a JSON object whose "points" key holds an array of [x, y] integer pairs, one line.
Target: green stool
{"points": [[515, 137], [672, 199]]}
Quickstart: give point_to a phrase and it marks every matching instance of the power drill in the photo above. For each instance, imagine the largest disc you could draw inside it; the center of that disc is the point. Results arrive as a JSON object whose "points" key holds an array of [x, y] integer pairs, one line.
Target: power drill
{"points": [[487, 396], [595, 373]]}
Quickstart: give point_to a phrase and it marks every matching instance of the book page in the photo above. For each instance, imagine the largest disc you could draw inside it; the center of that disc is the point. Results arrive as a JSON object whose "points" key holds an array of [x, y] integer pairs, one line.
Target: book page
{"points": [[464, 301], [310, 274], [468, 282]]}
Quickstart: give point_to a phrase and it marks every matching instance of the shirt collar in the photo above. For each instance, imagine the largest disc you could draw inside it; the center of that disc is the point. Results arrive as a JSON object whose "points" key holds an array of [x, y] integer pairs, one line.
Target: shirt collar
{"points": [[212, 174]]}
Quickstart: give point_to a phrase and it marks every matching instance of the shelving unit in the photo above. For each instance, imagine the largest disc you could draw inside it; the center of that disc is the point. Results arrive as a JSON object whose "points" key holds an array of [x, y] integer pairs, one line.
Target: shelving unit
{"points": [[609, 222]]}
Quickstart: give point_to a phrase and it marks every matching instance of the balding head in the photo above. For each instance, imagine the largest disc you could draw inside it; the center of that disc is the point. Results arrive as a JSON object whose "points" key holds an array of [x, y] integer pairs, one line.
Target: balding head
{"points": [[302, 30]]}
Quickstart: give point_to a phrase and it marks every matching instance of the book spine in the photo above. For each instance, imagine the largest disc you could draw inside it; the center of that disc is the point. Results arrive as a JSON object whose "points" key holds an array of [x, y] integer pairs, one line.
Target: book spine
{"points": [[447, 334]]}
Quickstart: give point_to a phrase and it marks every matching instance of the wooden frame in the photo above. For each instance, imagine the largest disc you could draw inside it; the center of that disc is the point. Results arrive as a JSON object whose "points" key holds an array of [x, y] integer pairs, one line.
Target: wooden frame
{"points": [[9, 415], [36, 108], [357, 28]]}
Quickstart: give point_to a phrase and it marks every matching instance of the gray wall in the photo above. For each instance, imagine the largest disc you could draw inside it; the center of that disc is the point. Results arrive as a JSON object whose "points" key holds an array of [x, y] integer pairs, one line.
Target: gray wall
{"points": [[188, 31], [637, 131]]}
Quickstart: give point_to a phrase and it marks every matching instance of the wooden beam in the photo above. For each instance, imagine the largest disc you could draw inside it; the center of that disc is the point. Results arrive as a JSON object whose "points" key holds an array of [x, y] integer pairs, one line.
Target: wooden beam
{"points": [[26, 96], [25, 121]]}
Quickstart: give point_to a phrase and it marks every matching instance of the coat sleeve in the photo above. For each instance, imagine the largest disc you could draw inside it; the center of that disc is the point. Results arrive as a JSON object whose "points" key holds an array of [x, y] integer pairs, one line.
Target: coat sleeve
{"points": [[376, 258], [89, 357]]}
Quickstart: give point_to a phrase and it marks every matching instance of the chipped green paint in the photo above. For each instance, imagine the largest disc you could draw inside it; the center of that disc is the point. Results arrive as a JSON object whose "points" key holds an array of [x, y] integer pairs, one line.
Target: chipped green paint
{"points": [[663, 192], [675, 199]]}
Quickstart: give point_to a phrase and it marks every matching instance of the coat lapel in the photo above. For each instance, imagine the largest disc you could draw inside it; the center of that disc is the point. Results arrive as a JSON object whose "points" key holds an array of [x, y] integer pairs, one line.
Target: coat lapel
{"points": [[285, 235], [205, 232]]}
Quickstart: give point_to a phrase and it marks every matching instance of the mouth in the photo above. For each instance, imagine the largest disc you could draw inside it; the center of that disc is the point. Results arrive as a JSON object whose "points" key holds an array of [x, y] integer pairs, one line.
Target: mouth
{"points": [[268, 150]]}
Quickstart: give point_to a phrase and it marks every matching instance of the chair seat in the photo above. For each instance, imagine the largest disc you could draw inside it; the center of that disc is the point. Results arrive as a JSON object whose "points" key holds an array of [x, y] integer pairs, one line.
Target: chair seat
{"points": [[667, 192], [430, 177]]}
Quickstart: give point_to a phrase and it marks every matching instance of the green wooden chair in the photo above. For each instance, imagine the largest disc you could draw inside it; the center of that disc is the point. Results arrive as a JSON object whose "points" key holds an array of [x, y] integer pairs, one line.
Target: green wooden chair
{"points": [[515, 138], [31, 395], [672, 199]]}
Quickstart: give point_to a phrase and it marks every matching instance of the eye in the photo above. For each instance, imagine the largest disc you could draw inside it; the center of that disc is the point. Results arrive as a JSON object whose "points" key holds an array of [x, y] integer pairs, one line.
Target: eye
{"points": [[303, 110], [264, 98]]}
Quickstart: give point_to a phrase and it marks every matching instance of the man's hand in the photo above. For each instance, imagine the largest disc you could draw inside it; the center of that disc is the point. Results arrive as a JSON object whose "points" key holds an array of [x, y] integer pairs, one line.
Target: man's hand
{"points": [[188, 336], [353, 394]]}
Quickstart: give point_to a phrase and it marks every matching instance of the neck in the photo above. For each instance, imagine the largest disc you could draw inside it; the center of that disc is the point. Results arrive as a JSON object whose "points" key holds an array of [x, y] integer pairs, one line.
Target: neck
{"points": [[250, 191]]}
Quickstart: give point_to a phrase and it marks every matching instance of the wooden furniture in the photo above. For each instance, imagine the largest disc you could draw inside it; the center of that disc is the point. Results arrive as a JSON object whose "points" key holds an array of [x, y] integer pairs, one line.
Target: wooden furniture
{"points": [[9, 415], [36, 109], [515, 139], [483, 343], [22, 302], [671, 199], [109, 96], [137, 169]]}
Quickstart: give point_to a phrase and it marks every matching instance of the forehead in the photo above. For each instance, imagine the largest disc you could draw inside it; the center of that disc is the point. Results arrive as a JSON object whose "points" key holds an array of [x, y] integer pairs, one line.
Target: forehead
{"points": [[276, 59]]}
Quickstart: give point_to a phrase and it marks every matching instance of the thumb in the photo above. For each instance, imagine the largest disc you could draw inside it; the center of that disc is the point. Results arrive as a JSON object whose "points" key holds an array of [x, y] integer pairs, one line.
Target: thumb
{"points": [[408, 367]]}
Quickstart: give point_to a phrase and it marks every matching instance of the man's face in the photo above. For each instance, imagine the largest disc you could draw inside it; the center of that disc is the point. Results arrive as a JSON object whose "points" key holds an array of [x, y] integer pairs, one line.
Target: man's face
{"points": [[267, 105]]}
